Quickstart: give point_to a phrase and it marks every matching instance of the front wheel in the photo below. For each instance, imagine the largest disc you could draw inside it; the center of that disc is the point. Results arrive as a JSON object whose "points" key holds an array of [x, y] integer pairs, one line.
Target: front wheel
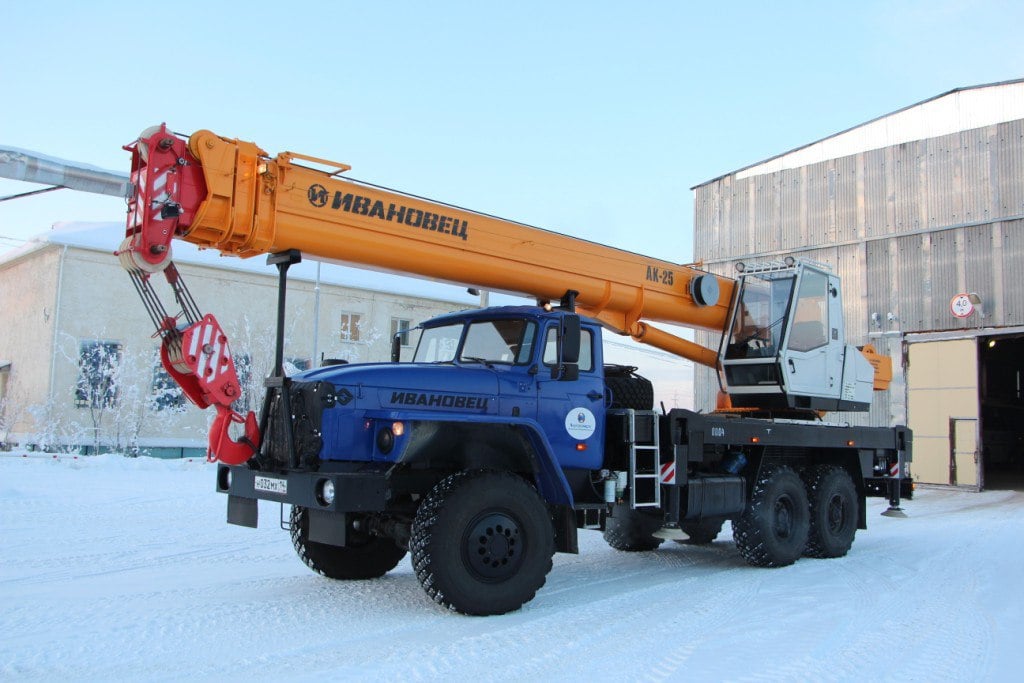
{"points": [[482, 542], [365, 556], [772, 531]]}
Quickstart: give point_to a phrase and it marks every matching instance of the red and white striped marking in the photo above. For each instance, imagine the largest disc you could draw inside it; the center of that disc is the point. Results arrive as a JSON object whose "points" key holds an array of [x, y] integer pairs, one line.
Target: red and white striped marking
{"points": [[668, 473], [894, 469]]}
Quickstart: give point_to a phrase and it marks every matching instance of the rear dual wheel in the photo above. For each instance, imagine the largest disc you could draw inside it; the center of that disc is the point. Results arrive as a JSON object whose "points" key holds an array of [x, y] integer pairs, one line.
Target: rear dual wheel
{"points": [[773, 530], [834, 511]]}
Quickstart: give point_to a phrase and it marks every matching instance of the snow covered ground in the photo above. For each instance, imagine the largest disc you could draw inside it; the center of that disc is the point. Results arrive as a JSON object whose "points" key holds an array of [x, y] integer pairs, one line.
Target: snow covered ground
{"points": [[124, 569]]}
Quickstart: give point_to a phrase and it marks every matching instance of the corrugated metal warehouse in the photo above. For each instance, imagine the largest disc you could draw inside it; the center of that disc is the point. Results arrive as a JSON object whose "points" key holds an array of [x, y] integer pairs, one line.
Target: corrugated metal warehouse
{"points": [[921, 212]]}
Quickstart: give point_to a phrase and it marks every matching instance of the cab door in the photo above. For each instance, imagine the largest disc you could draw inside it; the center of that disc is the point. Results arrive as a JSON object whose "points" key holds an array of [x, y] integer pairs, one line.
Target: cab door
{"points": [[813, 360], [572, 412]]}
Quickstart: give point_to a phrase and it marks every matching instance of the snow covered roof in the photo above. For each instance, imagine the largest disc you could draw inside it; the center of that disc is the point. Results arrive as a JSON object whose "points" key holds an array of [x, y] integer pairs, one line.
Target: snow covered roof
{"points": [[106, 237], [953, 111]]}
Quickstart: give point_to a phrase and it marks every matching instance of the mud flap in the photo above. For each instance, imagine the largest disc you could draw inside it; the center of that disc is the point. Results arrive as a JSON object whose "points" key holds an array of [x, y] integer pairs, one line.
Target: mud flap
{"points": [[242, 511]]}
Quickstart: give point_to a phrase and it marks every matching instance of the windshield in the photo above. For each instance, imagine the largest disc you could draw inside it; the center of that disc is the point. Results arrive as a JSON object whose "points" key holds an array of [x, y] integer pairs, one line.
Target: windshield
{"points": [[499, 341], [438, 344], [758, 326], [487, 341]]}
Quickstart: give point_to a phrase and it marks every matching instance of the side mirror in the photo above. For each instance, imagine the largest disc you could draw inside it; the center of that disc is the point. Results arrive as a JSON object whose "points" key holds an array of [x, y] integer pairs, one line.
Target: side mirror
{"points": [[567, 366], [570, 336], [396, 348]]}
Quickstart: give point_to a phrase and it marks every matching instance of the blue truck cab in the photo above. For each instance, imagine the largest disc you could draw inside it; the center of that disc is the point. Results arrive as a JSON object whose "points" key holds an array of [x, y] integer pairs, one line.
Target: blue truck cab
{"points": [[486, 389]]}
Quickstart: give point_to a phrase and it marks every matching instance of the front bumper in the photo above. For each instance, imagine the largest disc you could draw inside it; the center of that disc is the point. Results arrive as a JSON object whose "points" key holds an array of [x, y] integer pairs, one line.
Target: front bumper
{"points": [[353, 491]]}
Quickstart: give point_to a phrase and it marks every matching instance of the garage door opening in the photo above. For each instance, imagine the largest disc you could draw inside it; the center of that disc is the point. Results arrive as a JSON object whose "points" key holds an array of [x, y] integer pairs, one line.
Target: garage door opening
{"points": [[1001, 395]]}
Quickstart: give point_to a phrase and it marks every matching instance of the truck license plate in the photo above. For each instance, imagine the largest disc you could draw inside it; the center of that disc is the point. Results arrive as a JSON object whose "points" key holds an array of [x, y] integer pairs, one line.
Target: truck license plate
{"points": [[271, 485]]}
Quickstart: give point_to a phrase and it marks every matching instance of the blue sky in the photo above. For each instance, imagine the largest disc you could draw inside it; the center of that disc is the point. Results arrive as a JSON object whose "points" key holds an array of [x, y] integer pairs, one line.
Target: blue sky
{"points": [[590, 118]]}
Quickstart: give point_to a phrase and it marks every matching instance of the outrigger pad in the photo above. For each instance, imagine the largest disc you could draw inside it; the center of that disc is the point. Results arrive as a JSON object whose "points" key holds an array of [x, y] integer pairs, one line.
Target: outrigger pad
{"points": [[896, 512]]}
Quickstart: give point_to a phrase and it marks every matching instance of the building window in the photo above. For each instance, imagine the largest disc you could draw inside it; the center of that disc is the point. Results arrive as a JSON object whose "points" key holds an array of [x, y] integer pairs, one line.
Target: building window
{"points": [[349, 327], [5, 374], [165, 393], [97, 374], [400, 326]]}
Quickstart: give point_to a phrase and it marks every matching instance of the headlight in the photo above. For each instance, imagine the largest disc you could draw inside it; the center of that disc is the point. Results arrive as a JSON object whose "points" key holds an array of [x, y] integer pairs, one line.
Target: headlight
{"points": [[326, 492]]}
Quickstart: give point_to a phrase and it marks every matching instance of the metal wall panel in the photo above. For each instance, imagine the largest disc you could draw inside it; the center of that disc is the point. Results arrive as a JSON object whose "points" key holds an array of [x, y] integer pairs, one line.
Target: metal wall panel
{"points": [[976, 186], [738, 230], [875, 196], [980, 269], [819, 225], [906, 184], [706, 212], [1010, 167], [943, 273], [912, 282], [846, 193], [764, 226], [942, 199], [1008, 295], [880, 285], [792, 216]]}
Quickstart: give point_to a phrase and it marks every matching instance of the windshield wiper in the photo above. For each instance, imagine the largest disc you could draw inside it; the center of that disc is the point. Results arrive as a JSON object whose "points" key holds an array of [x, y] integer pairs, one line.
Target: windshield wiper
{"points": [[474, 359]]}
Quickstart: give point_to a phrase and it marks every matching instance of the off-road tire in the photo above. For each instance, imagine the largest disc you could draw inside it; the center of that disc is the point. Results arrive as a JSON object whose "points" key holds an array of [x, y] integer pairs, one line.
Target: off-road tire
{"points": [[627, 389], [630, 530], [834, 511], [703, 532], [482, 542], [365, 556], [772, 531]]}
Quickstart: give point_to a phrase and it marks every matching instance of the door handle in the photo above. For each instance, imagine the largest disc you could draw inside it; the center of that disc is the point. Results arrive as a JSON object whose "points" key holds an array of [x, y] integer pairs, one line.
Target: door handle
{"points": [[792, 366], [594, 395]]}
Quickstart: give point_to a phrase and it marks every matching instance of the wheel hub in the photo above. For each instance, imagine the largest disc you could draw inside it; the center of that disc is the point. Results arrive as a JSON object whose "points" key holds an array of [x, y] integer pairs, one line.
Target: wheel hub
{"points": [[836, 514], [783, 517], [493, 547]]}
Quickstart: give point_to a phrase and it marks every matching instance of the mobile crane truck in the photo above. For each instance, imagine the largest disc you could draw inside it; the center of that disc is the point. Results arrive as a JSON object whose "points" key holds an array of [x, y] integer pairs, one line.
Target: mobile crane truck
{"points": [[507, 433]]}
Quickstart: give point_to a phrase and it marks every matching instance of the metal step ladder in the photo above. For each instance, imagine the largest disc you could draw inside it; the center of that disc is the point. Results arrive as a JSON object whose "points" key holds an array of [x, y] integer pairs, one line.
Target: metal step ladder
{"points": [[644, 459]]}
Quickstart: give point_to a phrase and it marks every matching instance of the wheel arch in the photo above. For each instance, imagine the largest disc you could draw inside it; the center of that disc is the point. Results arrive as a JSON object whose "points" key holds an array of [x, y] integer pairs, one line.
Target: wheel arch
{"points": [[512, 446]]}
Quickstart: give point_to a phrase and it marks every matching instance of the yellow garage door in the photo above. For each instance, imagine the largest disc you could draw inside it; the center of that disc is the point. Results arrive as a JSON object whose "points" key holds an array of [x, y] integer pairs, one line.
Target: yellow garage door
{"points": [[942, 409]]}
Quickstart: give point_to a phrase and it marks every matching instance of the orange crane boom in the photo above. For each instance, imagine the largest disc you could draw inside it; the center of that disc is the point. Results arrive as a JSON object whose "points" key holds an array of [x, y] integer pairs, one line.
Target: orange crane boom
{"points": [[230, 195]]}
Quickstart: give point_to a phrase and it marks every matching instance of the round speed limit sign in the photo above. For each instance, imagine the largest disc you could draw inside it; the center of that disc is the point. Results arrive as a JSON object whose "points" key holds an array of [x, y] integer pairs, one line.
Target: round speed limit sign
{"points": [[961, 306]]}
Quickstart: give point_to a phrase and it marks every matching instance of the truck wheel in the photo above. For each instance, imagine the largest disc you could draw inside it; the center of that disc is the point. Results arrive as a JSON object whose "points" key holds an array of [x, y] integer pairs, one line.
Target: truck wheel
{"points": [[630, 530], [365, 556], [482, 542], [703, 532], [627, 389], [772, 531], [833, 501]]}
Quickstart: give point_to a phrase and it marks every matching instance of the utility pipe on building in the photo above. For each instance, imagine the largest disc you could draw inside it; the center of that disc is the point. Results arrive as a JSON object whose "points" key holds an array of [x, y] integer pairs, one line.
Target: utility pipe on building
{"points": [[32, 167]]}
